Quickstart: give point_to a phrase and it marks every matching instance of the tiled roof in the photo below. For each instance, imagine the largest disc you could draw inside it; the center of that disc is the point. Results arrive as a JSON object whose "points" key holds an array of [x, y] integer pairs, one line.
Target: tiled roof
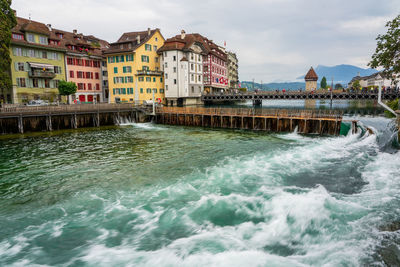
{"points": [[177, 43], [94, 44], [311, 75], [128, 41]]}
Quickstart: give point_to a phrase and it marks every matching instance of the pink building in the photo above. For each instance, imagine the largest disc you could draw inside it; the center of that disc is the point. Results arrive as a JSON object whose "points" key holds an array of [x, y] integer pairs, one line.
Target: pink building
{"points": [[83, 61]]}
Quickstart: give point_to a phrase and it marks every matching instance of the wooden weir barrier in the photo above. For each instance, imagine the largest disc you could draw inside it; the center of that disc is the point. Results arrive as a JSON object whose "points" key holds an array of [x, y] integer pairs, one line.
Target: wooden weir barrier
{"points": [[271, 120]]}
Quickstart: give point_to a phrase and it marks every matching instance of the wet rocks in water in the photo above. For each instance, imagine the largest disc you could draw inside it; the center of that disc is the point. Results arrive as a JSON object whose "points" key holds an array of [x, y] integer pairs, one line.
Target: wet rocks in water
{"points": [[390, 255], [391, 227]]}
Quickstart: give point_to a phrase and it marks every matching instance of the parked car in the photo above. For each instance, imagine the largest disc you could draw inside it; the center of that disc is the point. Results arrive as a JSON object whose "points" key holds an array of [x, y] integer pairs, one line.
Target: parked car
{"points": [[35, 103]]}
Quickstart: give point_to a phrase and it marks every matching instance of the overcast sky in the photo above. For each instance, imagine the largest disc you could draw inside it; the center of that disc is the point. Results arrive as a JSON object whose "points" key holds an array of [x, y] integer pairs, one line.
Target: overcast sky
{"points": [[275, 40]]}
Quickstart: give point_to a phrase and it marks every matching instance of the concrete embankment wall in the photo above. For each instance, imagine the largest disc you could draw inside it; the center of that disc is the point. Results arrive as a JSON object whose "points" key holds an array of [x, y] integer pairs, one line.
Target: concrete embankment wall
{"points": [[47, 122], [270, 124]]}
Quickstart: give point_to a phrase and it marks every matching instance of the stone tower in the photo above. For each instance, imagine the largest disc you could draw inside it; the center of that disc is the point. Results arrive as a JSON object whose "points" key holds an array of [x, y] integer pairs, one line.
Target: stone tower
{"points": [[311, 80]]}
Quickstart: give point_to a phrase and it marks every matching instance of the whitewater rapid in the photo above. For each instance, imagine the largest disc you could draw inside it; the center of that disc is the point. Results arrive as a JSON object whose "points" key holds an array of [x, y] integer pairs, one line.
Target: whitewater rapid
{"points": [[317, 201]]}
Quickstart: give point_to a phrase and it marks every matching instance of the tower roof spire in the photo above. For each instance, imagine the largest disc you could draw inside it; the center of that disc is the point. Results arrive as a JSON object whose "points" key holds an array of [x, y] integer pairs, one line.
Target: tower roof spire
{"points": [[311, 75]]}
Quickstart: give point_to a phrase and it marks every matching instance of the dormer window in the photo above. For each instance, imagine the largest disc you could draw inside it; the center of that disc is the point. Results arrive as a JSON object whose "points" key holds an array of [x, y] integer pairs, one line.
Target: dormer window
{"points": [[43, 40], [60, 35], [16, 36]]}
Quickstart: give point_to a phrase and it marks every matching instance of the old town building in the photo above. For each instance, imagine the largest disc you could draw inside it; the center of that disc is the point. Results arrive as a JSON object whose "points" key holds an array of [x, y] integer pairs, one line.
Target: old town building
{"points": [[182, 63], [133, 67], [311, 79], [215, 68], [233, 70], [37, 62]]}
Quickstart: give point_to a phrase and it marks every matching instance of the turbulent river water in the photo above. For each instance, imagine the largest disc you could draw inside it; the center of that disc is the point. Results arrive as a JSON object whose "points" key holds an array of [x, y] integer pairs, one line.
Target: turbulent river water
{"points": [[150, 195]]}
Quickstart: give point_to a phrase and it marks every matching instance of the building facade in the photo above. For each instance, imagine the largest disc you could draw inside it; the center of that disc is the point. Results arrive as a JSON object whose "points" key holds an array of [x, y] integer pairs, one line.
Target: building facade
{"points": [[83, 66], [37, 62], [215, 68], [233, 70], [182, 63], [133, 68], [311, 79]]}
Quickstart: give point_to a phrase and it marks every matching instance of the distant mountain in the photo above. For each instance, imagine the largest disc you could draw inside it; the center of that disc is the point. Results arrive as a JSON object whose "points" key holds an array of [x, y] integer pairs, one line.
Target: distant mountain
{"points": [[340, 73], [274, 86]]}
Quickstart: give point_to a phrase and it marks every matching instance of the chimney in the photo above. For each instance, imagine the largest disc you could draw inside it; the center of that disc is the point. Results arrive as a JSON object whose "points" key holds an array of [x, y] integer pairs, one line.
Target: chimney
{"points": [[49, 26], [75, 31], [183, 34], [138, 39], [148, 31]]}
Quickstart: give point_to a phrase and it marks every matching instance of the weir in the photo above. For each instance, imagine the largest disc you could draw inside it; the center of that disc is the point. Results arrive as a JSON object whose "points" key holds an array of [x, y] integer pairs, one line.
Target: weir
{"points": [[49, 118], [306, 121]]}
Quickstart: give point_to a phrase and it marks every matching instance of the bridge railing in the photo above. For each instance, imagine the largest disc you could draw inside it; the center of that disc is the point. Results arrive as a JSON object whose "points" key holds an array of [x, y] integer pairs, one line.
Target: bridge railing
{"points": [[283, 113], [65, 108]]}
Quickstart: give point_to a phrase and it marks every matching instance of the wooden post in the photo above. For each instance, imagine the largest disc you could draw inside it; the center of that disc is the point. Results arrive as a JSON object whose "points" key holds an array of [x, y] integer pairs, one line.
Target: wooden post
{"points": [[231, 122], [242, 126], [202, 120], [277, 125], [305, 126], [222, 121], [265, 124], [254, 122], [291, 125], [48, 123], [20, 124], [320, 126]]}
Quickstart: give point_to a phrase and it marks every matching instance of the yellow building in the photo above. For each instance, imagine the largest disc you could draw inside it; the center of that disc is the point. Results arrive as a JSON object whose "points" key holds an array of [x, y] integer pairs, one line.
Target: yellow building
{"points": [[37, 63], [133, 67]]}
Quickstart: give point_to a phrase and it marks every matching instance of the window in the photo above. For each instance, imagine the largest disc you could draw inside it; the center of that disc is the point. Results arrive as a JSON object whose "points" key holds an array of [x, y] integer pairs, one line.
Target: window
{"points": [[129, 58], [165, 54], [79, 74], [44, 54], [174, 58], [21, 82], [147, 47], [129, 79], [17, 36], [97, 76], [55, 83], [17, 51], [43, 40], [192, 77], [155, 48], [145, 59], [174, 81], [161, 79], [199, 78], [89, 86], [123, 91], [146, 68], [192, 89], [156, 39], [148, 79], [115, 69], [174, 69], [148, 90], [46, 83], [191, 56], [141, 79], [71, 74], [154, 79], [30, 38], [127, 69], [166, 64], [97, 86], [156, 59], [89, 75], [166, 75], [20, 66], [161, 91], [70, 61], [35, 83], [166, 87], [191, 66], [121, 58], [155, 90], [141, 90], [57, 69]]}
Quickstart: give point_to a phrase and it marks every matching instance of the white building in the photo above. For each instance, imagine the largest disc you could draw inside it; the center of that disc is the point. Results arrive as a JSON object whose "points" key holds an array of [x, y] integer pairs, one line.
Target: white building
{"points": [[182, 62]]}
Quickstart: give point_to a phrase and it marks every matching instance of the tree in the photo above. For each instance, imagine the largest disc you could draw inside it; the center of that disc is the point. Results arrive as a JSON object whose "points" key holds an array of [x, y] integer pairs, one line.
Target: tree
{"points": [[7, 22], [323, 83], [338, 86], [66, 88], [357, 85], [387, 53]]}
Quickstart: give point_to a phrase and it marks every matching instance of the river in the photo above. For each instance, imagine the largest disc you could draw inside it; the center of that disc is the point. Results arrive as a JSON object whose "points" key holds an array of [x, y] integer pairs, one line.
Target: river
{"points": [[150, 195]]}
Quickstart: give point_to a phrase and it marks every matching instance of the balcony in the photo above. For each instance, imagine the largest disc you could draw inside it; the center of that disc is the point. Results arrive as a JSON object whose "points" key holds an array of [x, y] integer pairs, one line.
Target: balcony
{"points": [[41, 74], [149, 72]]}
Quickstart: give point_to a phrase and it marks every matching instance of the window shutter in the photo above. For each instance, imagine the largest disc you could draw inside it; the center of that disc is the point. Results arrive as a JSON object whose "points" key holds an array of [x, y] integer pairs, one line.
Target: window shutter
{"points": [[26, 66], [16, 66]]}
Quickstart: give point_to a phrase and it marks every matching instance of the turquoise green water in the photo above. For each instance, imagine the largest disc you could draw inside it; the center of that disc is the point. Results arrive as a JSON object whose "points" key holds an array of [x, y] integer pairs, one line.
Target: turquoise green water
{"points": [[149, 195]]}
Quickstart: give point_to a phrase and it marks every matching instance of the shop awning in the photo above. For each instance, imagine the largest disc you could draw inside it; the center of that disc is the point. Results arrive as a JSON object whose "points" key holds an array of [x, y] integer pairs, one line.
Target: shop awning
{"points": [[41, 66]]}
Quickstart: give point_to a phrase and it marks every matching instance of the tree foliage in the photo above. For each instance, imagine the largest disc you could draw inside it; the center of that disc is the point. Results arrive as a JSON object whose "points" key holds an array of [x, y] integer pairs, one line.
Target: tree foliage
{"points": [[66, 88], [356, 85], [323, 83], [7, 22], [387, 53]]}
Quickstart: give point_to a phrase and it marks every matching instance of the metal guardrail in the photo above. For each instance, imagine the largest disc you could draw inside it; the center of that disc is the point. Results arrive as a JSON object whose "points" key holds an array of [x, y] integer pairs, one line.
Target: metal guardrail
{"points": [[280, 113]]}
